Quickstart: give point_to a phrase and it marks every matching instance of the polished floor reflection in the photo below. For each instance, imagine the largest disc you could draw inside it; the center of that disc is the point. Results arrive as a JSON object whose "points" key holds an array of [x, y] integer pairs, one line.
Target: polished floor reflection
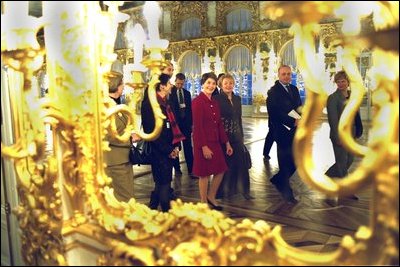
{"points": [[313, 223]]}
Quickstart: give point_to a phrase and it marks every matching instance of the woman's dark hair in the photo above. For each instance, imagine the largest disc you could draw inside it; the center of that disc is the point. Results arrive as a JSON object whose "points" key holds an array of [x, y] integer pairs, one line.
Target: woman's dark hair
{"points": [[208, 75], [164, 78]]}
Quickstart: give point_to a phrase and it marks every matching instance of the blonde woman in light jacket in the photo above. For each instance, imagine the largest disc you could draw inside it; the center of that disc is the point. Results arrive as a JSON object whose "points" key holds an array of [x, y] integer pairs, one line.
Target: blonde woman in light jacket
{"points": [[117, 159]]}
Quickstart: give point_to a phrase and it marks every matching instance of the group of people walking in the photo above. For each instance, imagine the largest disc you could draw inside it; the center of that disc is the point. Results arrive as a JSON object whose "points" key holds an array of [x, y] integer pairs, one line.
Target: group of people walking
{"points": [[211, 131], [284, 109]]}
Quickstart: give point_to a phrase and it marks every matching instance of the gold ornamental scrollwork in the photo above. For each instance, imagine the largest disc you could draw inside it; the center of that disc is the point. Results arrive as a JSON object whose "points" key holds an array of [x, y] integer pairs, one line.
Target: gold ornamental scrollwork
{"points": [[379, 166], [66, 201]]}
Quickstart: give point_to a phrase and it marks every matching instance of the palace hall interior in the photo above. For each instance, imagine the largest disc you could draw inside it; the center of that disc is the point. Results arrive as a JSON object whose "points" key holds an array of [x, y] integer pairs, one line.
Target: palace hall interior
{"points": [[191, 133]]}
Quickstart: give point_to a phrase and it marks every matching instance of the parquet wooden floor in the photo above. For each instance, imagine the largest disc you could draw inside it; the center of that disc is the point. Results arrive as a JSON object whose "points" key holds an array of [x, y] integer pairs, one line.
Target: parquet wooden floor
{"points": [[313, 223]]}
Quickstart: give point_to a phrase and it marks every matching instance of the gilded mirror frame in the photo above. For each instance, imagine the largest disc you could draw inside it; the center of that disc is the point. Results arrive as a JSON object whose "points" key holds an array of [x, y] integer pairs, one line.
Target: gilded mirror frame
{"points": [[67, 206]]}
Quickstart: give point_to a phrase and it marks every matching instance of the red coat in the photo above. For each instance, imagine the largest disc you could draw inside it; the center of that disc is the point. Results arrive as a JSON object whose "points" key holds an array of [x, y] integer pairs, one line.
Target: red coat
{"points": [[208, 131]]}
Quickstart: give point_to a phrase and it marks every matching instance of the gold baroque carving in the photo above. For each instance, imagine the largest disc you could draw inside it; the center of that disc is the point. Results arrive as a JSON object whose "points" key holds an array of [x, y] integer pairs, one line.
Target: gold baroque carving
{"points": [[327, 34], [184, 10], [248, 40], [179, 48], [224, 7]]}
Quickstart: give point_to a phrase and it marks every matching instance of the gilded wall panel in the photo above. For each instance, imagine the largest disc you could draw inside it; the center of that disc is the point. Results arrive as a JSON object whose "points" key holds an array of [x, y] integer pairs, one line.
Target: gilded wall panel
{"points": [[179, 48], [225, 7], [184, 10]]}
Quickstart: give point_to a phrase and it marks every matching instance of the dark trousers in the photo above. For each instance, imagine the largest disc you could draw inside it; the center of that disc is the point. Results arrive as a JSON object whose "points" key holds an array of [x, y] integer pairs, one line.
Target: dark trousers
{"points": [[269, 140], [162, 175], [160, 196], [177, 164], [343, 161], [287, 168], [188, 152]]}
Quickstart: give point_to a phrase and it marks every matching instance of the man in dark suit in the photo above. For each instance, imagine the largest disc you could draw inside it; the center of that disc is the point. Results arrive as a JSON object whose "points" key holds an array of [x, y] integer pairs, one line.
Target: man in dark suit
{"points": [[283, 100], [182, 103], [218, 88]]}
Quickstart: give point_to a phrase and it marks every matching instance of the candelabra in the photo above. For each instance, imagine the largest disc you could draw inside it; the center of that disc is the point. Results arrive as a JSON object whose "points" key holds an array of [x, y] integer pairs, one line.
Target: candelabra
{"points": [[376, 243]]}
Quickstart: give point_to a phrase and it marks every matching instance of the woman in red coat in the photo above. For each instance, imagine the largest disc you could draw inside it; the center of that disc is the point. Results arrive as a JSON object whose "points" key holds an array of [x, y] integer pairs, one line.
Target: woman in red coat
{"points": [[208, 135]]}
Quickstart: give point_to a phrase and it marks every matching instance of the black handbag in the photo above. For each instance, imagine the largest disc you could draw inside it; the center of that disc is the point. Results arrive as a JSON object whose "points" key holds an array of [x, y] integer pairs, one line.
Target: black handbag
{"points": [[359, 125], [141, 153], [247, 158]]}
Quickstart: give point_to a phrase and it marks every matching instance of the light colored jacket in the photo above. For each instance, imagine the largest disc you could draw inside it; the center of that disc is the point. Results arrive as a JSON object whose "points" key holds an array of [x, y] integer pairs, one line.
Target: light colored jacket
{"points": [[119, 152]]}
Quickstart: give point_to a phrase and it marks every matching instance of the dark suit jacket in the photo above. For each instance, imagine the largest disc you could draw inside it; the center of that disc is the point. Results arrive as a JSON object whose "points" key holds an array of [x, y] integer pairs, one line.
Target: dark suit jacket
{"points": [[216, 91], [231, 116], [183, 116], [279, 104]]}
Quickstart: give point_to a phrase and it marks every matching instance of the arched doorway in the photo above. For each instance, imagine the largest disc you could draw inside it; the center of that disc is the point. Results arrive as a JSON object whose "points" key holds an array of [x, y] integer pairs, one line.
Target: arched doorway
{"points": [[239, 64], [191, 66], [288, 57]]}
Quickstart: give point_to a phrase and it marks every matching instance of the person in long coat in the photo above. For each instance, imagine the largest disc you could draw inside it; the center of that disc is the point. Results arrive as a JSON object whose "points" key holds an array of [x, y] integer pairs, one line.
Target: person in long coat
{"points": [[236, 179], [165, 148], [181, 100], [282, 101], [335, 106], [208, 135], [117, 158]]}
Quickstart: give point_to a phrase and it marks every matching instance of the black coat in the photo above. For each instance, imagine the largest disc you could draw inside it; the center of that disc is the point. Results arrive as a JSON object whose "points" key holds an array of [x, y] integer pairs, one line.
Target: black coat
{"points": [[231, 116], [183, 116], [162, 146], [279, 104]]}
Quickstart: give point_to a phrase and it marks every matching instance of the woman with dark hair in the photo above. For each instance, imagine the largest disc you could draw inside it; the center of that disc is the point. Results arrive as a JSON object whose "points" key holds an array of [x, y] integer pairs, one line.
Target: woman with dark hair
{"points": [[208, 135], [165, 147]]}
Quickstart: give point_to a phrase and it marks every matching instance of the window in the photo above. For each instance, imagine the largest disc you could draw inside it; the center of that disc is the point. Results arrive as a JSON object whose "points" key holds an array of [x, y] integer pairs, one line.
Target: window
{"points": [[191, 28], [239, 64], [191, 67], [238, 20]]}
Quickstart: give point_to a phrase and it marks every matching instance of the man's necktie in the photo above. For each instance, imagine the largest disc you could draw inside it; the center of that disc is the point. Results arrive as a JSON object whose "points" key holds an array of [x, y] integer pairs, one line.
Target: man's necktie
{"points": [[181, 97], [287, 87]]}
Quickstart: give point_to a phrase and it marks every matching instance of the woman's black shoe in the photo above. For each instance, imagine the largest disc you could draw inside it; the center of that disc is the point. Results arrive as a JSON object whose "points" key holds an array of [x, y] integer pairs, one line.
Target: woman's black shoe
{"points": [[213, 206]]}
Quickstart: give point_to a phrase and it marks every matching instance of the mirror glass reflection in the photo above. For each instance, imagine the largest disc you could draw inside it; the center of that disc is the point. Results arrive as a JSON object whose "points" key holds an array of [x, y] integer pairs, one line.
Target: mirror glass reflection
{"points": [[316, 220]]}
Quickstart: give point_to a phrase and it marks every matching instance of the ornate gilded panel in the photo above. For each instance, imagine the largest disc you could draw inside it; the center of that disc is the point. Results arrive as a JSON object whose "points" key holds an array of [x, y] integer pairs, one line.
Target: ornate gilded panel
{"points": [[179, 48], [248, 40], [190, 9], [225, 7]]}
